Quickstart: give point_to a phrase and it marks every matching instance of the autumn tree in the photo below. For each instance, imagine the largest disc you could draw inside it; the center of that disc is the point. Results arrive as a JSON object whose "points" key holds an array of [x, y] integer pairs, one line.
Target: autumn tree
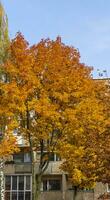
{"points": [[82, 104], [56, 106], [105, 152], [87, 139], [7, 141], [4, 37], [27, 99]]}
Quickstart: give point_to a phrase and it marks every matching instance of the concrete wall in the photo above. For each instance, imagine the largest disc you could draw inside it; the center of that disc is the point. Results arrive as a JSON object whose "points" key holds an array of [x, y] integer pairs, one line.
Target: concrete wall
{"points": [[17, 168], [58, 195], [80, 195], [53, 168], [99, 190], [55, 195]]}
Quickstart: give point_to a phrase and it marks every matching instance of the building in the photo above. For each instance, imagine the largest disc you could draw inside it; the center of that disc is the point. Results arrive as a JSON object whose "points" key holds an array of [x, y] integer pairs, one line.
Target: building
{"points": [[55, 185]]}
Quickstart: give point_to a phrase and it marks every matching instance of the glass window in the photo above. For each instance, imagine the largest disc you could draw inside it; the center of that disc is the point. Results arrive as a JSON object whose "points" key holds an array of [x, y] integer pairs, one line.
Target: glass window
{"points": [[58, 158], [14, 182], [8, 183], [21, 195], [54, 185], [22, 158], [28, 183], [27, 157], [21, 182], [18, 158], [51, 184], [108, 187], [51, 157], [54, 157], [44, 185], [14, 195], [18, 187], [27, 195]]}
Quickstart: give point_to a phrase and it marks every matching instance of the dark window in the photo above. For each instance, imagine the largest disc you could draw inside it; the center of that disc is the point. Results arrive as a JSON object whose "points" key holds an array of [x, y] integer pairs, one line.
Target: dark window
{"points": [[18, 187], [14, 182], [22, 158], [51, 184], [21, 195], [44, 185], [8, 183], [27, 195], [54, 157], [54, 185], [21, 182], [18, 158], [14, 195], [51, 157]]}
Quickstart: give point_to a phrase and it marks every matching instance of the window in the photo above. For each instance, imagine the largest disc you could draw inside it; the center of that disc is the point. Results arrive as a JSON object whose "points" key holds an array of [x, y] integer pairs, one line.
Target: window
{"points": [[57, 157], [8, 183], [18, 187], [21, 183], [22, 158], [14, 182], [54, 185], [51, 184], [18, 158], [53, 156], [27, 157], [108, 187]]}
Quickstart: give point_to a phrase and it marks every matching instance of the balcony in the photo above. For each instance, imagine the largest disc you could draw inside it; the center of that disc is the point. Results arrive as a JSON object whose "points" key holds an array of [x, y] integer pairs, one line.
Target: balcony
{"points": [[53, 168]]}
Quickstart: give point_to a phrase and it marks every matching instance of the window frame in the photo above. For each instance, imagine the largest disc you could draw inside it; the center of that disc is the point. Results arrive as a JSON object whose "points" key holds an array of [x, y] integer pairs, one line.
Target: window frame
{"points": [[53, 156], [22, 160], [48, 184], [17, 191]]}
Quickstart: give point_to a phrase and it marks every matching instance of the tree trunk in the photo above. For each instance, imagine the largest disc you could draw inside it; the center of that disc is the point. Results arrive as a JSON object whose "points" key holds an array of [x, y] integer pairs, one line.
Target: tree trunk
{"points": [[33, 177], [2, 189], [38, 186], [75, 193], [31, 152]]}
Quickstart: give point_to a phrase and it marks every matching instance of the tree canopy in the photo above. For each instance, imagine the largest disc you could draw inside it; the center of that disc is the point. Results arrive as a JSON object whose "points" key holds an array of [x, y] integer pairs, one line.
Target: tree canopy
{"points": [[4, 37], [55, 104], [7, 140]]}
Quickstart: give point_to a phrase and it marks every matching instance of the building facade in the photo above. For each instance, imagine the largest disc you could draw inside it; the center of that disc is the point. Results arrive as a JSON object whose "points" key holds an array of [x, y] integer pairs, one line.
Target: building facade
{"points": [[55, 184]]}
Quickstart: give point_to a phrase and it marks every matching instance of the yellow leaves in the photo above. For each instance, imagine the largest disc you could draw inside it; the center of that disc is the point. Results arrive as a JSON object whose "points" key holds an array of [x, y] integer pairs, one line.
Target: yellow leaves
{"points": [[53, 97], [8, 146], [77, 176], [80, 163], [46, 109], [62, 96]]}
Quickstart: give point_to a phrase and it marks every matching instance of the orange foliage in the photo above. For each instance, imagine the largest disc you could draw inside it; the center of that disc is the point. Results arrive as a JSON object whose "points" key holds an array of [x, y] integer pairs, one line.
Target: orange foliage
{"points": [[8, 146], [54, 101]]}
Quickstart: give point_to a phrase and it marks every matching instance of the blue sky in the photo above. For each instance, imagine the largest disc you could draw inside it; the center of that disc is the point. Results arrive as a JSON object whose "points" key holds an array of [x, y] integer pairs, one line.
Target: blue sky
{"points": [[84, 24]]}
